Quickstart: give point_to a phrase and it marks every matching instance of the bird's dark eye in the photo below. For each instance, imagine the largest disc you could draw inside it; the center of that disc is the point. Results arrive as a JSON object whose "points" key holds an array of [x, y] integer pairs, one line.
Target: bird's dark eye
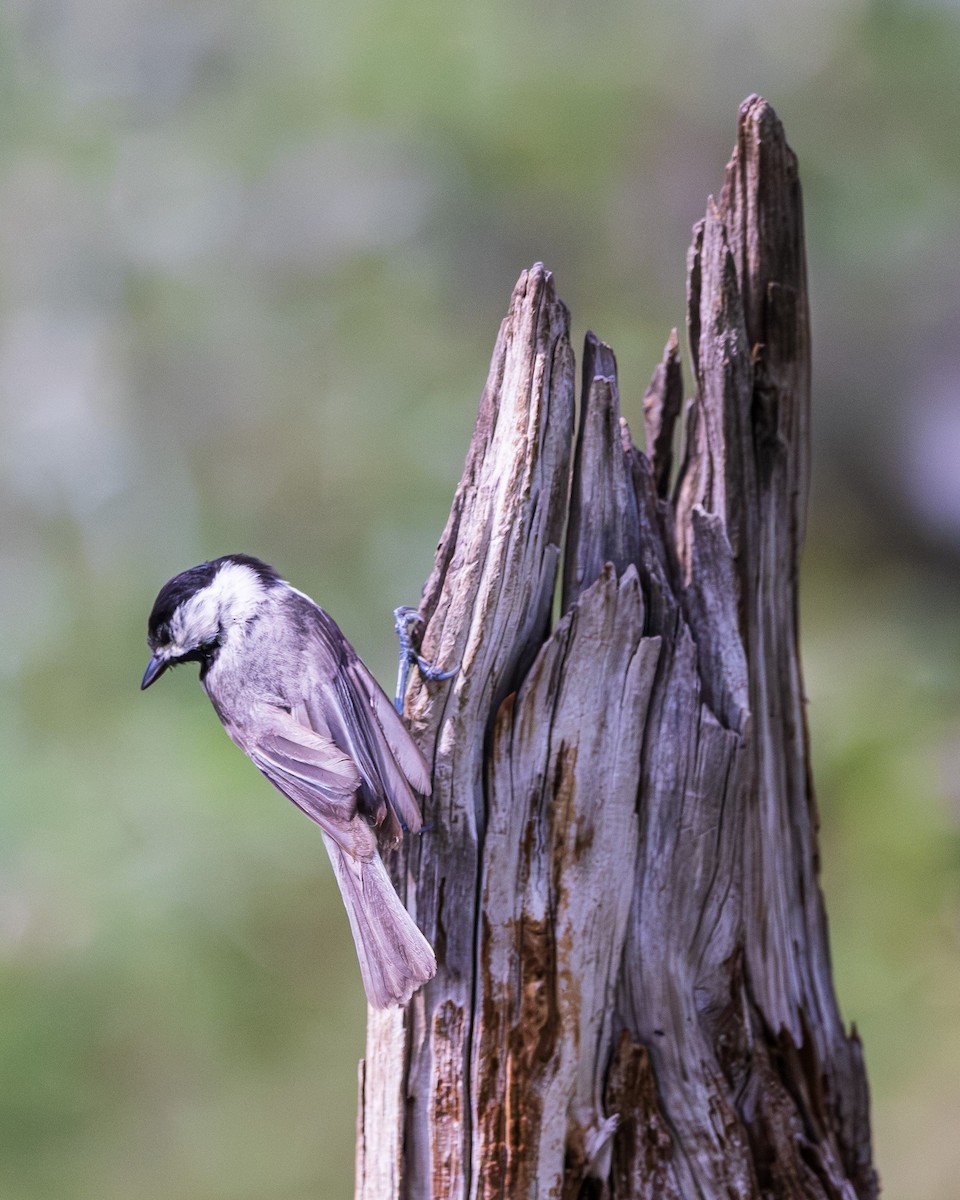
{"points": [[161, 638], [200, 653]]}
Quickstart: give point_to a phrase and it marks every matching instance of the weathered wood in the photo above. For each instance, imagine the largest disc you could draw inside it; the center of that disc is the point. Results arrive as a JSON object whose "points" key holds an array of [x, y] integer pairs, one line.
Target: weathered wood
{"points": [[620, 876]]}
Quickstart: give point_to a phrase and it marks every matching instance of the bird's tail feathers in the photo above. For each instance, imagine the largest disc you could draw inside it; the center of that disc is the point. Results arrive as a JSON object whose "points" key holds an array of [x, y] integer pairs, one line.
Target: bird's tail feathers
{"points": [[395, 957]]}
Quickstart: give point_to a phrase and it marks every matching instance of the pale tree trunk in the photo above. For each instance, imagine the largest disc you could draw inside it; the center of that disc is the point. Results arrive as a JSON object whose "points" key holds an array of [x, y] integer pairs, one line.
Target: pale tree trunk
{"points": [[620, 874]]}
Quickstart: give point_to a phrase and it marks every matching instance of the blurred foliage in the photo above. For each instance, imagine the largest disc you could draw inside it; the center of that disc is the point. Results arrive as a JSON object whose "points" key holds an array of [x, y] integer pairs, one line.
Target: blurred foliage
{"points": [[252, 262]]}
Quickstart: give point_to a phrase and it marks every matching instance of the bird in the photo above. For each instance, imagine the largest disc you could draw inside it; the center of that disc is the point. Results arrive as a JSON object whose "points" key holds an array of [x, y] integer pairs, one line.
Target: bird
{"points": [[294, 695]]}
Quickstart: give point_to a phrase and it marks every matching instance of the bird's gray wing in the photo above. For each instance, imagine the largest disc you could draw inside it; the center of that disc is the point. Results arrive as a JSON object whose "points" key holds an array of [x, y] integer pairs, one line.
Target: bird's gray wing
{"points": [[403, 749], [312, 771], [348, 704], [386, 762]]}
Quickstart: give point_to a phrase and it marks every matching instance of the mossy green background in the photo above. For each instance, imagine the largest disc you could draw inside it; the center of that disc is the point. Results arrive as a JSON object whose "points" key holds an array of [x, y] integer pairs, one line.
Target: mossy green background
{"points": [[252, 262]]}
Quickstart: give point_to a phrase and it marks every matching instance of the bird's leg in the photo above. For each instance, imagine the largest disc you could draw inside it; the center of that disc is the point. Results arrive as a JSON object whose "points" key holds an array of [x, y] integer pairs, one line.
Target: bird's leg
{"points": [[405, 621]]}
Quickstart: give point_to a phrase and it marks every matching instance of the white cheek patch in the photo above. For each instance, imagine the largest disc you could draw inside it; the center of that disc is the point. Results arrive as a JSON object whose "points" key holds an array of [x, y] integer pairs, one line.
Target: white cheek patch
{"points": [[195, 622], [237, 591], [232, 598]]}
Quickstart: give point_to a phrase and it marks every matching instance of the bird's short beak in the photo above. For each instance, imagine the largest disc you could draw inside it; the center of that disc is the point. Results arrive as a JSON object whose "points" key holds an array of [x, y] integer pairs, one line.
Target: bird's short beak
{"points": [[155, 668]]}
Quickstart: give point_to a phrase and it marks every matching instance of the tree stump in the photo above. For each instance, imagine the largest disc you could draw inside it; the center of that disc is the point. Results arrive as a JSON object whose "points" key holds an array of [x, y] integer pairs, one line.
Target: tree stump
{"points": [[620, 875]]}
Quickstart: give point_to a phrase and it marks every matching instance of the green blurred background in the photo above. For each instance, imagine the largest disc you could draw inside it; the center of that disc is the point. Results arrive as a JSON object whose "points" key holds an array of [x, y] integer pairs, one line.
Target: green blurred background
{"points": [[252, 261]]}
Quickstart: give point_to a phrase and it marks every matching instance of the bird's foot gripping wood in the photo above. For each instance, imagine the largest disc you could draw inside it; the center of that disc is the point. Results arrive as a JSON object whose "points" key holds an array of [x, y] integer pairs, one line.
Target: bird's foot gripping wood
{"points": [[409, 625]]}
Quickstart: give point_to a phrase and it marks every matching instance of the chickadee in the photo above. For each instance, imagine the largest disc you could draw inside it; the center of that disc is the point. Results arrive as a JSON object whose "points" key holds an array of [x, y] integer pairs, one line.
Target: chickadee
{"points": [[293, 694]]}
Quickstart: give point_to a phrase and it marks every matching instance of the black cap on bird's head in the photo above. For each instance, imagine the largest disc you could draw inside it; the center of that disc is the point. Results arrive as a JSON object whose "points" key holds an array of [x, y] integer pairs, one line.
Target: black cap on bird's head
{"points": [[194, 610]]}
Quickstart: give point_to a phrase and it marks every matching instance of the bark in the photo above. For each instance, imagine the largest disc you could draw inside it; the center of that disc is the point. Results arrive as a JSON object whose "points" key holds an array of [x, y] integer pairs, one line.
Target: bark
{"points": [[621, 876]]}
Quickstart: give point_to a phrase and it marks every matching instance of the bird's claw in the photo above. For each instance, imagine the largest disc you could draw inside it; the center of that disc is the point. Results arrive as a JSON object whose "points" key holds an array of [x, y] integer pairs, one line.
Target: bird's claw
{"points": [[429, 671], [405, 621]]}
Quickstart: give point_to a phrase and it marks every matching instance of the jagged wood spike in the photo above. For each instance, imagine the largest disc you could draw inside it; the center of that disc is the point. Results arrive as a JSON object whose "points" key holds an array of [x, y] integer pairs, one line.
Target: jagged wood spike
{"points": [[604, 524], [661, 408], [487, 606]]}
